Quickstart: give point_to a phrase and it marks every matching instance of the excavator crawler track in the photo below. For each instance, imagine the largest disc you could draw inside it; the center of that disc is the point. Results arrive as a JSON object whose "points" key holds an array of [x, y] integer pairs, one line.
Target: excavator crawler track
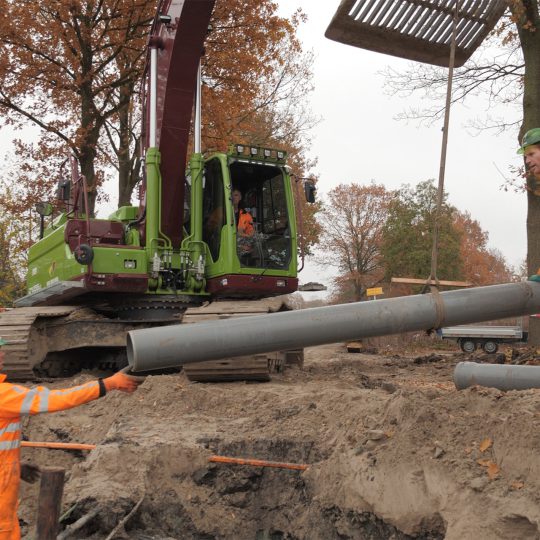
{"points": [[25, 347], [58, 341], [52, 341], [245, 368]]}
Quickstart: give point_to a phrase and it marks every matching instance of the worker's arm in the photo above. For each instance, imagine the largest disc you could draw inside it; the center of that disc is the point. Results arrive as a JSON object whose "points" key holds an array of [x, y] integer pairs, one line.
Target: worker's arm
{"points": [[16, 400]]}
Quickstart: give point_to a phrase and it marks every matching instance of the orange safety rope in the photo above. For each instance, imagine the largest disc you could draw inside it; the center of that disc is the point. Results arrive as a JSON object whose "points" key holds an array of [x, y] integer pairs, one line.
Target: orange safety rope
{"points": [[258, 463], [211, 459], [58, 445]]}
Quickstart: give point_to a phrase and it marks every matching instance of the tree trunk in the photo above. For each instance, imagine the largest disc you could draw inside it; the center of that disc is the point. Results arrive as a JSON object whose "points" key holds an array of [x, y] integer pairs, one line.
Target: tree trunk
{"points": [[86, 161], [530, 44], [129, 162]]}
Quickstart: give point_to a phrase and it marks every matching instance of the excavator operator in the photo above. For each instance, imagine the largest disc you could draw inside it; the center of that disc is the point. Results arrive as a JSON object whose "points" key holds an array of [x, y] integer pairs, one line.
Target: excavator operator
{"points": [[243, 219], [244, 228], [17, 401]]}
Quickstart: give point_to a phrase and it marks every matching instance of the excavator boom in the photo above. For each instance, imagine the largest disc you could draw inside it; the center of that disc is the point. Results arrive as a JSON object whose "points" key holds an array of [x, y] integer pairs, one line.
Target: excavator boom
{"points": [[178, 34]]}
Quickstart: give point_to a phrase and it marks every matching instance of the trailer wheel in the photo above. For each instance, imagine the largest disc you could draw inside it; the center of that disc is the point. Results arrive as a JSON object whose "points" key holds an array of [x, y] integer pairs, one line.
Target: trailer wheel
{"points": [[490, 347], [467, 346]]}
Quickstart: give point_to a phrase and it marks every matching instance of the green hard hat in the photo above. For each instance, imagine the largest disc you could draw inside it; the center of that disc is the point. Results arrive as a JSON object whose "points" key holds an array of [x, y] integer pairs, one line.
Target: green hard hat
{"points": [[531, 137], [3, 341]]}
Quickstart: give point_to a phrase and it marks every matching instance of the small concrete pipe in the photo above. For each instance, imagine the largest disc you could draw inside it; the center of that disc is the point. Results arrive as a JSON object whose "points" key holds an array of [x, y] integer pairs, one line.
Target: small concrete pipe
{"points": [[496, 376], [173, 346]]}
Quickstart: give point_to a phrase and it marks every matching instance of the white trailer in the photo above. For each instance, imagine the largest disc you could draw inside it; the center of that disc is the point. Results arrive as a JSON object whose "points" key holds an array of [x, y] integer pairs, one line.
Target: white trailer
{"points": [[487, 337]]}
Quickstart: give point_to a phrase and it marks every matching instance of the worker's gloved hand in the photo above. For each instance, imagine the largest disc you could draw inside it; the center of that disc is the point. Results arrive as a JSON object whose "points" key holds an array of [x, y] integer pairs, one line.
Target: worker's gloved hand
{"points": [[122, 381], [30, 473]]}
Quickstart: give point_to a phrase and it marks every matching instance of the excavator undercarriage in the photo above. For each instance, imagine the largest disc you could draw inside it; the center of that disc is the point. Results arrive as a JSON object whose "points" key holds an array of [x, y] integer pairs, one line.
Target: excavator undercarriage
{"points": [[58, 341]]}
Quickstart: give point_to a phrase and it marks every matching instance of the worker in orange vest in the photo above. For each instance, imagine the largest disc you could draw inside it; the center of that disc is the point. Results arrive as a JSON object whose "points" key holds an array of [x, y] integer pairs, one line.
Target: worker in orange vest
{"points": [[244, 226], [17, 401], [243, 219]]}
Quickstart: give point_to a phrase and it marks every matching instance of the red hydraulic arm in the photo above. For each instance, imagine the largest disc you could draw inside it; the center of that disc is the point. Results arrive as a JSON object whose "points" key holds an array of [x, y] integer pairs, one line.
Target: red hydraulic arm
{"points": [[178, 32]]}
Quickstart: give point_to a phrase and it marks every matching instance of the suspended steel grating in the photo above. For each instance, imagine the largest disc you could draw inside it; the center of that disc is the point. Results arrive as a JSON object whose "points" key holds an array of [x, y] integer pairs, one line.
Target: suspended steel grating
{"points": [[418, 30]]}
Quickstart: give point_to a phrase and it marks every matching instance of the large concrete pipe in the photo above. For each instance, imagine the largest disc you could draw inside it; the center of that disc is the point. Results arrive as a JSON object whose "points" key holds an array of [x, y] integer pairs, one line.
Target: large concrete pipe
{"points": [[498, 376], [172, 346]]}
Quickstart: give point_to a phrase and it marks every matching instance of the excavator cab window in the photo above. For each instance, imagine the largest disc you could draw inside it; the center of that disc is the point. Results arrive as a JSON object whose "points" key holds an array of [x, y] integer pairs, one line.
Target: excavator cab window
{"points": [[264, 198], [214, 216]]}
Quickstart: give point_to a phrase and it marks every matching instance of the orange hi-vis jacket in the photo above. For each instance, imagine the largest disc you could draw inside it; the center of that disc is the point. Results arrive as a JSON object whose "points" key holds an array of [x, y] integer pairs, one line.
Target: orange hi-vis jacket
{"points": [[15, 402], [245, 223]]}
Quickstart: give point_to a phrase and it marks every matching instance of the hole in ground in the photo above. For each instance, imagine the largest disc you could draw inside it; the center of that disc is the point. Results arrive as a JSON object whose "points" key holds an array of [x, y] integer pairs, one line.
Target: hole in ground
{"points": [[236, 502]]}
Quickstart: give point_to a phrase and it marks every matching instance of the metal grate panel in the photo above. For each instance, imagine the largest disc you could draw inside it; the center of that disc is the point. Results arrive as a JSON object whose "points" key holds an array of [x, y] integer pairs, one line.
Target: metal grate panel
{"points": [[418, 30]]}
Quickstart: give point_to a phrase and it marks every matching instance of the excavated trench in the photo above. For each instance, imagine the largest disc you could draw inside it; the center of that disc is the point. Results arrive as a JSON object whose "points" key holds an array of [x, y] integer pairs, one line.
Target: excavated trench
{"points": [[221, 501], [394, 452]]}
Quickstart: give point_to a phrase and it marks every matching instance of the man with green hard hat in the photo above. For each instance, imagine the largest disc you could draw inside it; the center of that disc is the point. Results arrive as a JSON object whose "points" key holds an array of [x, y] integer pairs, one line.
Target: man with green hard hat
{"points": [[17, 401], [530, 149]]}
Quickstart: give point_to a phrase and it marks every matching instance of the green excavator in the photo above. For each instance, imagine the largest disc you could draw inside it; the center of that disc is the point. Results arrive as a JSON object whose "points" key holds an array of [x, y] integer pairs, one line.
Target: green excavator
{"points": [[180, 254]]}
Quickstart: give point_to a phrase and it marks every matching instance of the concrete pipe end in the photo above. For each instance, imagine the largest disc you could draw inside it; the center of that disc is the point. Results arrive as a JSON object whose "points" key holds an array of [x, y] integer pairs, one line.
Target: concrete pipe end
{"points": [[131, 356], [464, 375]]}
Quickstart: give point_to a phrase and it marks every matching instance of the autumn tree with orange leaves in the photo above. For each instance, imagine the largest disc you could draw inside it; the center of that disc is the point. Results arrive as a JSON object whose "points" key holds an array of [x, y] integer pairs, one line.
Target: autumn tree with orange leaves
{"points": [[76, 71], [256, 77], [481, 265], [352, 221], [69, 68]]}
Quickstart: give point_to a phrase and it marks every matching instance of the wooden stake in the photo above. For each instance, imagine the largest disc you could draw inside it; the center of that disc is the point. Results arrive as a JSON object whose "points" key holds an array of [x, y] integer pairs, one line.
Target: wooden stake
{"points": [[50, 500]]}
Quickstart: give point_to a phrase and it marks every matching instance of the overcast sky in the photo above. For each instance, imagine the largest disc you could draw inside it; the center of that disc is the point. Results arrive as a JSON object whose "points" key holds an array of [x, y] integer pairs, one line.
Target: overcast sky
{"points": [[359, 140]]}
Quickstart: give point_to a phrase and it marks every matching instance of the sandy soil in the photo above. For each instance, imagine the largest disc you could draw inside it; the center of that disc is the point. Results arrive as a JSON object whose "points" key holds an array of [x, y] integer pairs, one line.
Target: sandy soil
{"points": [[394, 452]]}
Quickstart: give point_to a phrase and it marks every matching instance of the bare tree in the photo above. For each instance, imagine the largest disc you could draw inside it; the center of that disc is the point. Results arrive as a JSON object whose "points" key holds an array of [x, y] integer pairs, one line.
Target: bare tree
{"points": [[510, 76]]}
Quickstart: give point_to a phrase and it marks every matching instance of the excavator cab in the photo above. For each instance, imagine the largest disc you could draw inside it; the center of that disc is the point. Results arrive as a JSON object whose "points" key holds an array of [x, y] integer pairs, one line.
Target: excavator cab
{"points": [[218, 258], [249, 224]]}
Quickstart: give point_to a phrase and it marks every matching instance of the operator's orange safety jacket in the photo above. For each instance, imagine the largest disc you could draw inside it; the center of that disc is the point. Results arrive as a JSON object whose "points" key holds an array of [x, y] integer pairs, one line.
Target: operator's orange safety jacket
{"points": [[245, 223], [15, 402]]}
